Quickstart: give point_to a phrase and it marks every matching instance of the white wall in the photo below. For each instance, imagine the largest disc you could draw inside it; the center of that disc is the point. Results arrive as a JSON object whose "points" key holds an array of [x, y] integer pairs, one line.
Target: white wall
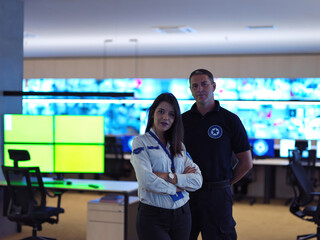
{"points": [[287, 66]]}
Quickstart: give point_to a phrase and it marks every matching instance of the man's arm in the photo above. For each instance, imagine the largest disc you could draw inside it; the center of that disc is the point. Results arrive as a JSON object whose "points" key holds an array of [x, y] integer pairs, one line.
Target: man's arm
{"points": [[243, 166]]}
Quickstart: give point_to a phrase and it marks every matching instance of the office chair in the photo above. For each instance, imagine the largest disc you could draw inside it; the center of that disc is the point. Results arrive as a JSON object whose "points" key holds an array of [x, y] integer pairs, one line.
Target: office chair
{"points": [[304, 196], [309, 162], [27, 203], [116, 166]]}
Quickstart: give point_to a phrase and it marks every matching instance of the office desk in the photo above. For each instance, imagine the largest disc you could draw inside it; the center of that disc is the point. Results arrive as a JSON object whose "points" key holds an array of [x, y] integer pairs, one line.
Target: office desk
{"points": [[269, 174], [125, 188]]}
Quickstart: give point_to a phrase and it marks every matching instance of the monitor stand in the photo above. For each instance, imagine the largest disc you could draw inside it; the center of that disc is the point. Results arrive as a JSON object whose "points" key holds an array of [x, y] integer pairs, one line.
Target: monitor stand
{"points": [[59, 177]]}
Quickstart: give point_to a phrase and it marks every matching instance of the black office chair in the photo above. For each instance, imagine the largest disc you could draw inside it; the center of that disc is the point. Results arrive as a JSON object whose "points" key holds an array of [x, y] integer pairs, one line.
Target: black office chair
{"points": [[116, 166], [304, 195], [27, 204], [309, 162]]}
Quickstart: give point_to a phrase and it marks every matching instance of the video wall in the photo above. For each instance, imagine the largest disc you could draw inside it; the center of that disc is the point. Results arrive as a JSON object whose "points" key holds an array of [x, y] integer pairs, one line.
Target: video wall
{"points": [[270, 108], [57, 144]]}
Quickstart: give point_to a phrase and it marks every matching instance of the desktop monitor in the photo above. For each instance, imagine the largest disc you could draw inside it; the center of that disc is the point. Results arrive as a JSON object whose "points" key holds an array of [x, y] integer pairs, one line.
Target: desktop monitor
{"points": [[262, 148], [127, 143], [287, 144]]}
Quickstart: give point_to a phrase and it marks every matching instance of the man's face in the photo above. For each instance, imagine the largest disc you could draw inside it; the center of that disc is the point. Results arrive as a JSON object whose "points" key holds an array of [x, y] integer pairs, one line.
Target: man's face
{"points": [[202, 89]]}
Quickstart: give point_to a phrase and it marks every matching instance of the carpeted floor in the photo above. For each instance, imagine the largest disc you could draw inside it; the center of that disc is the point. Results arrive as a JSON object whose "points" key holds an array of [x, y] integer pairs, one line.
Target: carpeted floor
{"points": [[254, 222]]}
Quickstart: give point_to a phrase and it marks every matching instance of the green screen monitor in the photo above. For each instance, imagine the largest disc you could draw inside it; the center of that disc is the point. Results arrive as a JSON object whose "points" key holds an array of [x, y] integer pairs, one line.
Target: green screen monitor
{"points": [[78, 129], [57, 144], [28, 128], [79, 158], [41, 155]]}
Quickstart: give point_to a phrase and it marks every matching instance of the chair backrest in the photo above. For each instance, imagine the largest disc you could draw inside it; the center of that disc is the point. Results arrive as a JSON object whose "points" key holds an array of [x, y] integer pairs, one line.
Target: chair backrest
{"points": [[300, 181], [26, 190], [18, 155], [309, 163]]}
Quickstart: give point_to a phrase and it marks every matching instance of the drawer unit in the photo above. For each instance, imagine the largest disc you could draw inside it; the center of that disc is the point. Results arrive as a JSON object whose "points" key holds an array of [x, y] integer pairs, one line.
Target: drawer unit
{"points": [[105, 219]]}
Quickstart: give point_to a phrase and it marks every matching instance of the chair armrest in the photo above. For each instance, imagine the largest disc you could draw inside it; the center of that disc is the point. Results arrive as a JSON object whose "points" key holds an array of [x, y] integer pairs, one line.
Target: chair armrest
{"points": [[56, 194]]}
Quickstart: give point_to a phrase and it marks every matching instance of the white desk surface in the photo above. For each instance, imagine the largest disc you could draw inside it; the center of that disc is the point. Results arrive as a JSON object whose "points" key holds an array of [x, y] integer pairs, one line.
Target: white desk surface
{"points": [[110, 186], [275, 162], [271, 161]]}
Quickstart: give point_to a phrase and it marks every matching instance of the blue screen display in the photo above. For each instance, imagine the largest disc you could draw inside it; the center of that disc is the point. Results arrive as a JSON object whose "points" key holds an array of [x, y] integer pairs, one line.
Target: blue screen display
{"points": [[127, 143], [262, 148], [270, 108]]}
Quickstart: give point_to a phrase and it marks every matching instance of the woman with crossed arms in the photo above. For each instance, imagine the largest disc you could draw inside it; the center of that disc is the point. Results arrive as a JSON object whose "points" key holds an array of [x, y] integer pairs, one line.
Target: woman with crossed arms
{"points": [[165, 172]]}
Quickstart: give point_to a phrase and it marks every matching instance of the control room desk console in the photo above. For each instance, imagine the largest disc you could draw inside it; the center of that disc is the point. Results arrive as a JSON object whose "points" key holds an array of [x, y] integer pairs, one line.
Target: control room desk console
{"points": [[269, 174]]}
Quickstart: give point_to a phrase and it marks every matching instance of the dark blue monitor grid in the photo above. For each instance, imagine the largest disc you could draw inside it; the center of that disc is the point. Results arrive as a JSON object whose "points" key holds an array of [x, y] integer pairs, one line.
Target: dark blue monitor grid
{"points": [[262, 148]]}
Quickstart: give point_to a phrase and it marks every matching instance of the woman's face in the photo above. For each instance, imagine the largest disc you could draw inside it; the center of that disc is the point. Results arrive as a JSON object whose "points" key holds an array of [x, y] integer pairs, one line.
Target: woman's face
{"points": [[164, 117]]}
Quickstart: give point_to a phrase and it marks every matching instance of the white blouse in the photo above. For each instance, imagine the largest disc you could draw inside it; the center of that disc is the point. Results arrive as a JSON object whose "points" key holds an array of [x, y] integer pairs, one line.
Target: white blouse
{"points": [[148, 156]]}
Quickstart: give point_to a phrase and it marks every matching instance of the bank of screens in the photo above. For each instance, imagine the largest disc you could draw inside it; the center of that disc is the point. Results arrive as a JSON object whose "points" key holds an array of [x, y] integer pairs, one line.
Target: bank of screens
{"points": [[57, 144], [262, 148]]}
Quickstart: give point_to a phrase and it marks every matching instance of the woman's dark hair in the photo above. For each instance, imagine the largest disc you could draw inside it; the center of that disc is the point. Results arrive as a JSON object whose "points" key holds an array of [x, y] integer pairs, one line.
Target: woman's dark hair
{"points": [[175, 134]]}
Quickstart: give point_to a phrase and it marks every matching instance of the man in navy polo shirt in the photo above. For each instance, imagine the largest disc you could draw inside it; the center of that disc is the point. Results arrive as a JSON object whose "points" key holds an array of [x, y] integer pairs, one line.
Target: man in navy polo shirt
{"points": [[211, 135]]}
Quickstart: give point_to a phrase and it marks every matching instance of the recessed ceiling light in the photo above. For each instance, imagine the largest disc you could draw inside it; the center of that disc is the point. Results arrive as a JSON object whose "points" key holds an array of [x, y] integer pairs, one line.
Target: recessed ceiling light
{"points": [[257, 27], [174, 29]]}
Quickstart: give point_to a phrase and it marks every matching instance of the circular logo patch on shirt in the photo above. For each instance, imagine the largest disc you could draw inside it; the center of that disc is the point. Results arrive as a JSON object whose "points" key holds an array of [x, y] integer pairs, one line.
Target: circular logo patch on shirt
{"points": [[215, 131]]}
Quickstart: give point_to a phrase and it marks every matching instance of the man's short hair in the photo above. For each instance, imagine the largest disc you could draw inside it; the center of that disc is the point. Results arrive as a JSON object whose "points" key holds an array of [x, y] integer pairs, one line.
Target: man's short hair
{"points": [[202, 72]]}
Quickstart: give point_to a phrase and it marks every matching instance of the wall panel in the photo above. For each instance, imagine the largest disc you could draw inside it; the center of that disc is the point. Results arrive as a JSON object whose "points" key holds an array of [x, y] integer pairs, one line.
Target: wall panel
{"points": [[287, 66]]}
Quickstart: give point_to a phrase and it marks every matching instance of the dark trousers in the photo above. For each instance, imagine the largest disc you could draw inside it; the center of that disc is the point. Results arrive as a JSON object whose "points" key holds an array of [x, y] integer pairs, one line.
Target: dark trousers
{"points": [[211, 212], [155, 223]]}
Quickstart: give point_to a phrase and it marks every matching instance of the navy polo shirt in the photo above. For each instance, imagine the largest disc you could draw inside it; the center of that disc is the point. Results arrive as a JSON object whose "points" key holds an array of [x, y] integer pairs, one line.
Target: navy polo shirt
{"points": [[211, 139]]}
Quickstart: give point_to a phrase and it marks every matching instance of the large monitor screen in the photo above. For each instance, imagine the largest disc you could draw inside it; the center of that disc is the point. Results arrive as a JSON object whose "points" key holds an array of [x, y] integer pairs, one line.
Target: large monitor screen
{"points": [[28, 128], [41, 155], [57, 144], [268, 107], [81, 158], [75, 129]]}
